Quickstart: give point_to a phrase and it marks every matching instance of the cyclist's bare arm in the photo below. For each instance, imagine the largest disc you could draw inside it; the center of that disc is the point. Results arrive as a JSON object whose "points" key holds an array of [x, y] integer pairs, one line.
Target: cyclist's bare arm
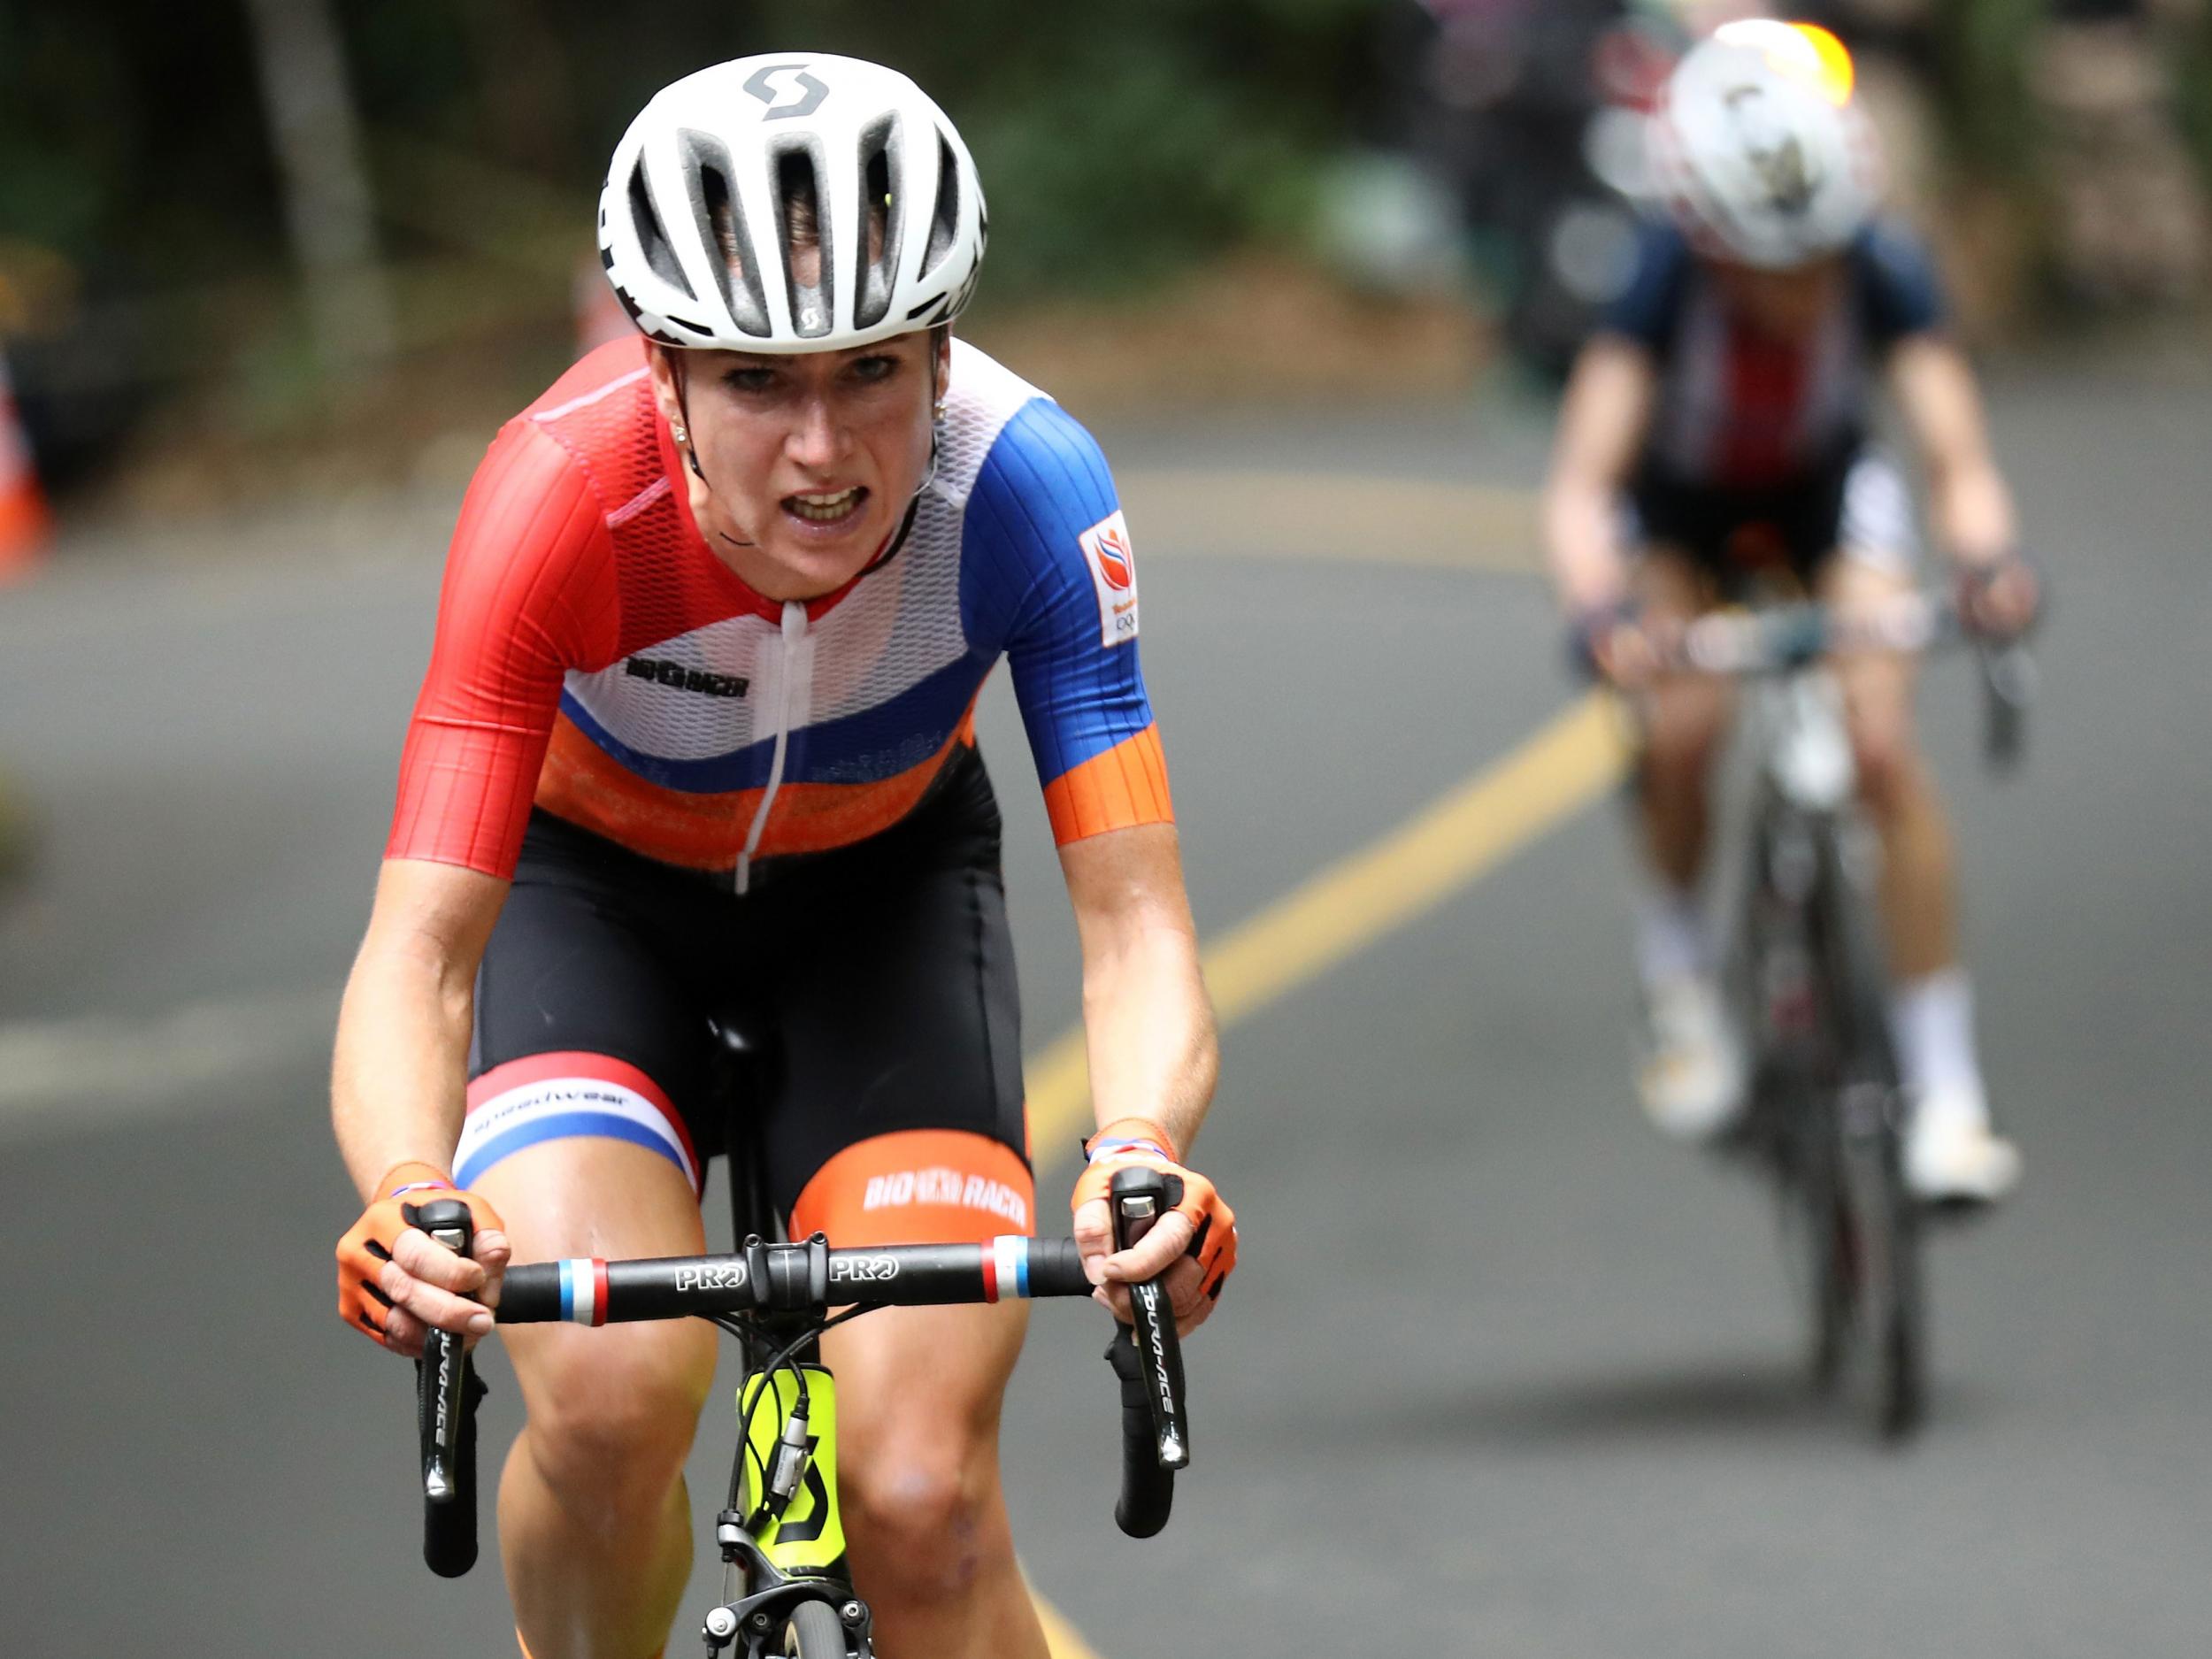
{"points": [[1148, 1025], [401, 1071], [1968, 500], [1602, 421], [399, 1076]]}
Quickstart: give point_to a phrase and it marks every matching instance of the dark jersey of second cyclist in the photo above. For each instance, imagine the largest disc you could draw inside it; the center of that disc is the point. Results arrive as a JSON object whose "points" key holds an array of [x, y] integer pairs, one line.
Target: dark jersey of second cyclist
{"points": [[1738, 409]]}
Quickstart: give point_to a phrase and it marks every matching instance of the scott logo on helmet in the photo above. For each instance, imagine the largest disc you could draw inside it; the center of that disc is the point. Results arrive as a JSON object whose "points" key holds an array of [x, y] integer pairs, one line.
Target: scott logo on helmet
{"points": [[811, 91]]}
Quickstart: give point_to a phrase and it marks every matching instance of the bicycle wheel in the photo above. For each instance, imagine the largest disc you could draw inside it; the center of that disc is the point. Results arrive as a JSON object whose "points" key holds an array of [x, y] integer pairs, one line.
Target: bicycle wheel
{"points": [[1902, 1333], [1868, 1110], [815, 1631], [1790, 1127], [1828, 1247], [1890, 1223]]}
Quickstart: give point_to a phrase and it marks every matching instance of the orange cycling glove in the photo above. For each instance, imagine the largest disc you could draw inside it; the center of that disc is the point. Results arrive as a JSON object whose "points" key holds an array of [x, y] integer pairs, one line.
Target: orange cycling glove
{"points": [[368, 1243], [1137, 1141]]}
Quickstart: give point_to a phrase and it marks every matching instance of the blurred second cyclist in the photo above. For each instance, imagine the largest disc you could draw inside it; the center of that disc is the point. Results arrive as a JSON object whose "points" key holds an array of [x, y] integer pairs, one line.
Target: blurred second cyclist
{"points": [[1713, 440]]}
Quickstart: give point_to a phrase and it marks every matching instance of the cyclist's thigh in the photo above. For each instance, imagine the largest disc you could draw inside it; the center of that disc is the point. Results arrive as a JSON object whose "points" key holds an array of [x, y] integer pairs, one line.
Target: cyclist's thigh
{"points": [[589, 1094], [1684, 714], [898, 1119], [1673, 585], [1867, 520], [591, 1005], [1878, 685], [898, 1112]]}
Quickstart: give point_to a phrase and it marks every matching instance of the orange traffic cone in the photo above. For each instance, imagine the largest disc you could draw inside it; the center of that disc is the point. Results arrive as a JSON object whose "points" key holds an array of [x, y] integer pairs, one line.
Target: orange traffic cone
{"points": [[24, 523]]}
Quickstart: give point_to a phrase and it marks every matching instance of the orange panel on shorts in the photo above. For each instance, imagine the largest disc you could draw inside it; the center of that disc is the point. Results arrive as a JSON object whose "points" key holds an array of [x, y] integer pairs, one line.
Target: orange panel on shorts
{"points": [[918, 1186]]}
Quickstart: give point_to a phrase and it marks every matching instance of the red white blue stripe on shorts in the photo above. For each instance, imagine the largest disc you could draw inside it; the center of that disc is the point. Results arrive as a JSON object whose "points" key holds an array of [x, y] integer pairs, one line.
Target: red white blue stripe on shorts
{"points": [[556, 1096]]}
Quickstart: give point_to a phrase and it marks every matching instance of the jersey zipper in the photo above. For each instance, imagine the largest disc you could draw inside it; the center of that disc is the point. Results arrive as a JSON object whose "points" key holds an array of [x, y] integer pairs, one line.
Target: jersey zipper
{"points": [[793, 694]]}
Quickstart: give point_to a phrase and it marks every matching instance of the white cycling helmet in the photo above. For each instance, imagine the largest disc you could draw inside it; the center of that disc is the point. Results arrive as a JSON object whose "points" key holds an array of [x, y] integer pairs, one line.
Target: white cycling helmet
{"points": [[693, 224], [1759, 149]]}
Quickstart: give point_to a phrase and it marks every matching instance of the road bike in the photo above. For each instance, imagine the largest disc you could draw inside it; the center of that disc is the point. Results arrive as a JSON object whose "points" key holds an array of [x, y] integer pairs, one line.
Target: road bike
{"points": [[785, 1590], [1825, 1115]]}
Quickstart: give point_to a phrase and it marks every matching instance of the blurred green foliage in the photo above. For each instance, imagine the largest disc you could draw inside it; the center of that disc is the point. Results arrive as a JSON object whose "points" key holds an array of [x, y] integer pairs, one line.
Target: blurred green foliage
{"points": [[131, 137], [1116, 142], [2192, 79], [1982, 48]]}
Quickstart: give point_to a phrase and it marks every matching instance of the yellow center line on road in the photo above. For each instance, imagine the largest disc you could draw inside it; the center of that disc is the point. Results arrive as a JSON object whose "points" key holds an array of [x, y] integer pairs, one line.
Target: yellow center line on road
{"points": [[1551, 777], [1569, 763], [1064, 1641]]}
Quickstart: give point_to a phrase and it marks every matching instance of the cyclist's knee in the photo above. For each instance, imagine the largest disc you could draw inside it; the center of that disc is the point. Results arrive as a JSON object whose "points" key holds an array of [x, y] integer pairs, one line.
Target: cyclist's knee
{"points": [[612, 1413], [925, 1515]]}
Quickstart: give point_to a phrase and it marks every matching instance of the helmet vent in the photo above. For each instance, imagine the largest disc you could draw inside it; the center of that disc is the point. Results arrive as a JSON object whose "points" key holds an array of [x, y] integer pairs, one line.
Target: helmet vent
{"points": [[944, 223], [879, 204], [799, 210], [660, 256], [722, 230]]}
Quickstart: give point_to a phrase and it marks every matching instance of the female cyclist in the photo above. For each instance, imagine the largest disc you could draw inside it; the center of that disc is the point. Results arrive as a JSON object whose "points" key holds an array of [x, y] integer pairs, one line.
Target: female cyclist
{"points": [[698, 728]]}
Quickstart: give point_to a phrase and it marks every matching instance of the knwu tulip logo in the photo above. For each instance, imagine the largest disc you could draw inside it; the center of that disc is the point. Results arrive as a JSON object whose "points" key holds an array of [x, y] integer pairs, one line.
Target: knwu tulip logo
{"points": [[1116, 562], [1114, 575]]}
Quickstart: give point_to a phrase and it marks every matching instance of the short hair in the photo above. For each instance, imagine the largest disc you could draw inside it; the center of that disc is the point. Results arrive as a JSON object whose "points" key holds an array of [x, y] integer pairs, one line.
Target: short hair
{"points": [[801, 217]]}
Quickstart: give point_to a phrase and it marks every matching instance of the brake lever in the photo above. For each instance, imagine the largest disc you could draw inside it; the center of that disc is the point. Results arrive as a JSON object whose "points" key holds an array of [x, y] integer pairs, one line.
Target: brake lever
{"points": [[2009, 685], [1140, 1199], [446, 1402]]}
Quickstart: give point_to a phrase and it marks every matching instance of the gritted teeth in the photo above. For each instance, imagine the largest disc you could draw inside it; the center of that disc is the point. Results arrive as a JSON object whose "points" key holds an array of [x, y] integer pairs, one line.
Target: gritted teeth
{"points": [[825, 508]]}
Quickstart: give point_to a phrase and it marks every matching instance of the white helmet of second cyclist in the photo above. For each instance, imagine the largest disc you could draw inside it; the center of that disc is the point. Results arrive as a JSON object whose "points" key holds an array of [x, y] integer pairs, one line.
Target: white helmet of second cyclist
{"points": [[695, 225], [1759, 147]]}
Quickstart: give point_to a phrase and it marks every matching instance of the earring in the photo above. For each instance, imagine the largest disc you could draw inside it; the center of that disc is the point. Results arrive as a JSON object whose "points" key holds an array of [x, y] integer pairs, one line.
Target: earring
{"points": [[939, 416], [681, 435]]}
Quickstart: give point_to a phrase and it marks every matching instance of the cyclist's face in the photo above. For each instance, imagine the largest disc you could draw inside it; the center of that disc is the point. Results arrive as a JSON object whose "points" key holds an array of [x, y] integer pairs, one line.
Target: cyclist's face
{"points": [[810, 459], [1784, 304]]}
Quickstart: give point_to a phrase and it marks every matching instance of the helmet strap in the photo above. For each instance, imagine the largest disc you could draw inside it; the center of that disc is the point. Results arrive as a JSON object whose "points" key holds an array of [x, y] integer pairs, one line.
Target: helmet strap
{"points": [[936, 422]]}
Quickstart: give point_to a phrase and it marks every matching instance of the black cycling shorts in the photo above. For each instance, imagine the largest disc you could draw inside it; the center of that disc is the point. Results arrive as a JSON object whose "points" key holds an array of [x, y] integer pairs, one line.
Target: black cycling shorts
{"points": [[1855, 503], [886, 1105]]}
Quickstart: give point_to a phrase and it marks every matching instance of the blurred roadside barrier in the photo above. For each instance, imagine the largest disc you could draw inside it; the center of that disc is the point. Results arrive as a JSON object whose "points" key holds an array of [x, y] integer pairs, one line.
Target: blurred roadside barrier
{"points": [[24, 525]]}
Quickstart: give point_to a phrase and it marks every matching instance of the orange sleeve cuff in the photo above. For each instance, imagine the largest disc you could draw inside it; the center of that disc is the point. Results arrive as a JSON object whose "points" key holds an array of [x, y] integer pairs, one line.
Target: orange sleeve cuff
{"points": [[1120, 788]]}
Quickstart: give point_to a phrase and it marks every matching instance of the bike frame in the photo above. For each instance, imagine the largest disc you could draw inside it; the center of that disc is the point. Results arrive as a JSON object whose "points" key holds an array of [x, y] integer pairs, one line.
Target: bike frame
{"points": [[1828, 1113], [779, 1551]]}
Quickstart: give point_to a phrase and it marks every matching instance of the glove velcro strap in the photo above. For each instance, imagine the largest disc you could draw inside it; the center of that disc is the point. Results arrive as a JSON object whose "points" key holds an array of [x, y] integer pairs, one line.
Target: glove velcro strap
{"points": [[413, 1178], [1126, 1136]]}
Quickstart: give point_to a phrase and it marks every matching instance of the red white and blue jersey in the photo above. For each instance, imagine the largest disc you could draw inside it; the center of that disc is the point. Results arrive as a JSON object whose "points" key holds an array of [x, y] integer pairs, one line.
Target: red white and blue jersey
{"points": [[1740, 410], [595, 658]]}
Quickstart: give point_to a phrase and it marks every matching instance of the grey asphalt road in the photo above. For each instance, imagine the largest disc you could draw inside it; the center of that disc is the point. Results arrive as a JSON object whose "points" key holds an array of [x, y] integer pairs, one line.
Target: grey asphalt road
{"points": [[1501, 1372]]}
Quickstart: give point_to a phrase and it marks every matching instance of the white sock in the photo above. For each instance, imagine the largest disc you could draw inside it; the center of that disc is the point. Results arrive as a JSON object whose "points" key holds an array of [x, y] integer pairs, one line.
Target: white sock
{"points": [[1671, 937], [1932, 1022]]}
